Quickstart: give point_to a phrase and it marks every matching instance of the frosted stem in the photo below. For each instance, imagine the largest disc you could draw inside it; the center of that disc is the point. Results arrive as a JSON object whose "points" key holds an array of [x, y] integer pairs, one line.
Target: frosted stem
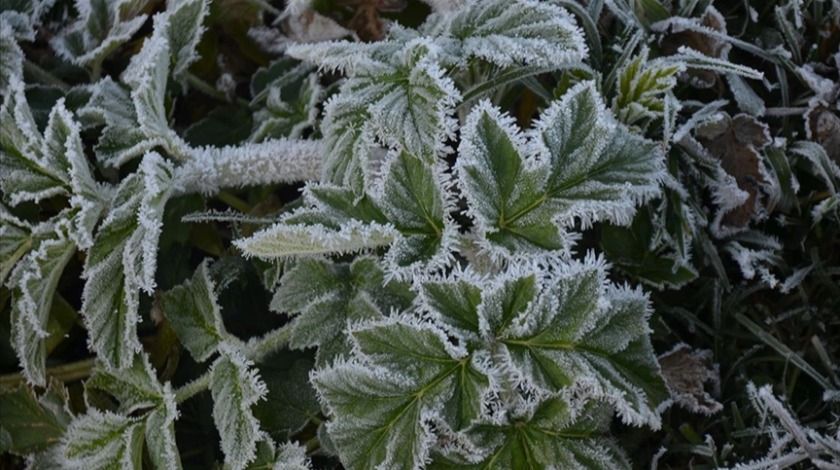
{"points": [[273, 161], [255, 351]]}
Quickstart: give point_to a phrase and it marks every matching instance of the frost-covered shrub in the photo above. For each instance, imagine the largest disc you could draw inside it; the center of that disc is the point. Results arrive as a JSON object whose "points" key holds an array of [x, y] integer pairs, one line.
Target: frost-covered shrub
{"points": [[457, 285]]}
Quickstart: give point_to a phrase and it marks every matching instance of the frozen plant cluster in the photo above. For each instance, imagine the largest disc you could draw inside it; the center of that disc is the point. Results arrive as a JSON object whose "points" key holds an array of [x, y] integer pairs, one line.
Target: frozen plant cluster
{"points": [[435, 264]]}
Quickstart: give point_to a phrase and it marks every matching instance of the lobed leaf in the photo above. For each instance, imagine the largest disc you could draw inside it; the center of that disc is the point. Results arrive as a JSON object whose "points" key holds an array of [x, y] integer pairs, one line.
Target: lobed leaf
{"points": [[99, 440], [577, 164], [33, 423], [236, 387], [194, 313]]}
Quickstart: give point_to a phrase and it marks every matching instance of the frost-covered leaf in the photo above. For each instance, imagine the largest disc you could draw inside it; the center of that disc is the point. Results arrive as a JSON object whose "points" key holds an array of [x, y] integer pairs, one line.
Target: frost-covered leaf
{"points": [[289, 110], [578, 331], [15, 241], [289, 456], [33, 283], [284, 240], [100, 440], [236, 387], [412, 200], [641, 88], [101, 28], [122, 137], [11, 67], [578, 164], [737, 143], [183, 23], [123, 259], [36, 166], [160, 433], [291, 402], [147, 75], [685, 372], [33, 423], [380, 405], [406, 97], [520, 32], [135, 387], [327, 295], [552, 437], [195, 315]]}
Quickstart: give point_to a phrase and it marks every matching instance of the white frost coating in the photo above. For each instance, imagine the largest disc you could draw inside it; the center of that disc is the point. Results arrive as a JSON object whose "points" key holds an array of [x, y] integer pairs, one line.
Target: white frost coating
{"points": [[100, 439], [283, 240], [82, 43], [525, 31], [272, 161], [33, 283], [236, 386], [160, 432], [791, 443], [754, 262]]}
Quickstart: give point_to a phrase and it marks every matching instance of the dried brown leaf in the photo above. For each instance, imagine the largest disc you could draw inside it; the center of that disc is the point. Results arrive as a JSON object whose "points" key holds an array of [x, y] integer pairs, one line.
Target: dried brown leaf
{"points": [[736, 142], [686, 372]]}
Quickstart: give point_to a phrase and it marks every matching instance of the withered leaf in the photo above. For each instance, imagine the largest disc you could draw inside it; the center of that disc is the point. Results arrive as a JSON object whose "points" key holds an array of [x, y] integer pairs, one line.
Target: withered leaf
{"points": [[712, 46], [686, 373], [824, 127], [366, 21], [736, 142]]}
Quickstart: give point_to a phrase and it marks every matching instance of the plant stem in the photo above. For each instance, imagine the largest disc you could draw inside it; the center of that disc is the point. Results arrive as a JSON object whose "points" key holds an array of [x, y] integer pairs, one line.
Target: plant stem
{"points": [[65, 373], [210, 90], [312, 445], [254, 350], [193, 388], [41, 75]]}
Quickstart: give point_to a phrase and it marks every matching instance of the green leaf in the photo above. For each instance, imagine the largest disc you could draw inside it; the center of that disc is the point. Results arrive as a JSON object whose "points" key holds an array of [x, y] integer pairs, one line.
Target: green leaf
{"points": [[103, 26], [135, 387], [33, 423], [412, 201], [236, 387], [520, 32], [122, 137], [328, 295], [160, 433], [11, 68], [100, 440], [225, 125], [15, 241], [379, 404], [456, 302], [123, 259], [182, 22], [283, 240], [642, 85], [552, 437], [288, 110], [33, 284], [581, 165], [289, 456], [194, 313], [579, 332], [291, 402]]}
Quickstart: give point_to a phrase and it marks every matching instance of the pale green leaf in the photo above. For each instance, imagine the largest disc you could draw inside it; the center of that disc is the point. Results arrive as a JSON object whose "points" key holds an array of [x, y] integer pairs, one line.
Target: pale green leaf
{"points": [[102, 26], [183, 22], [123, 259], [11, 67], [15, 241], [160, 433], [33, 283], [283, 240], [103, 440], [236, 387], [578, 165], [578, 332], [33, 423], [379, 405], [195, 315], [641, 88], [135, 387], [328, 295], [520, 32], [552, 437]]}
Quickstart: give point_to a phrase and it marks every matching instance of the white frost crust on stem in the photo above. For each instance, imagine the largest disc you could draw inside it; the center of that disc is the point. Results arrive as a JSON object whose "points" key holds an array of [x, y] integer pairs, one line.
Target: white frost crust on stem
{"points": [[274, 161]]}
